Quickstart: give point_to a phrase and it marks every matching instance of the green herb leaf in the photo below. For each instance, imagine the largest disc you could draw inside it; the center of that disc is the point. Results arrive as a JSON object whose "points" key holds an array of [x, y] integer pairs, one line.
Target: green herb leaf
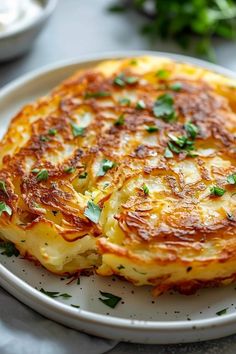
{"points": [[83, 175], [35, 170], [121, 80], [222, 312], [93, 212], [152, 129], [9, 249], [191, 129], [145, 189], [44, 138], [110, 299], [180, 144], [5, 208], [98, 94], [55, 294], [76, 130], [164, 108], [217, 191], [3, 187], [75, 306], [163, 74], [69, 169], [52, 132], [177, 86], [105, 166], [168, 153], [120, 267], [42, 175], [140, 105], [125, 101], [120, 121], [231, 179]]}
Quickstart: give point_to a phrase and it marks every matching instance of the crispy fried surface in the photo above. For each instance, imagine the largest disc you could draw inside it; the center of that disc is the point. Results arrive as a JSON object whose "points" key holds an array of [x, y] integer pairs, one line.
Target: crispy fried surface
{"points": [[160, 222]]}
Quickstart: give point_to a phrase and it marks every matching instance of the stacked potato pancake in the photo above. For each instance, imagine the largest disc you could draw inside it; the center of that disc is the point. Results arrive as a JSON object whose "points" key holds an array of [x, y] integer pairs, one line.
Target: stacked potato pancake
{"points": [[127, 167]]}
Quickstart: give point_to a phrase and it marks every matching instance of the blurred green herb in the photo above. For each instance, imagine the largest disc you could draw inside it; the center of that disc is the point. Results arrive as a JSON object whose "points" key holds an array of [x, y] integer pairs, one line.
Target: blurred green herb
{"points": [[180, 20]]}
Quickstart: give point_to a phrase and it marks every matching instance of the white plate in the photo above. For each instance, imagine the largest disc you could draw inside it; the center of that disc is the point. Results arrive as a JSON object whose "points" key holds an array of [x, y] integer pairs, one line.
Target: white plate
{"points": [[171, 318]]}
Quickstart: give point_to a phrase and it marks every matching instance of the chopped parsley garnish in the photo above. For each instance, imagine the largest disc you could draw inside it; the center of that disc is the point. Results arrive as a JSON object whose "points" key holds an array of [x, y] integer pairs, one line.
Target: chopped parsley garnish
{"points": [[140, 105], [180, 144], [105, 166], [76, 130], [191, 129], [44, 138], [35, 170], [5, 208], [9, 249], [92, 212], [69, 169], [217, 191], [152, 129], [120, 267], [97, 94], [55, 294], [83, 175], [42, 175], [121, 80], [125, 101], [231, 179], [120, 121], [3, 187], [164, 108], [78, 281], [145, 189], [75, 306], [52, 132], [177, 86], [168, 153], [163, 74], [110, 299], [222, 312]]}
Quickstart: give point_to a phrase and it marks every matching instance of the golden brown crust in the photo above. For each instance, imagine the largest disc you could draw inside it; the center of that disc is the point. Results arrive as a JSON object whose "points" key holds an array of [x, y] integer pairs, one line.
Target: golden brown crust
{"points": [[179, 220]]}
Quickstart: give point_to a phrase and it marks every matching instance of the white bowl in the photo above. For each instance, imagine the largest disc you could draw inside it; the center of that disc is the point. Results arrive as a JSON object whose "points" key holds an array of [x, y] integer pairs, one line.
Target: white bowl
{"points": [[14, 43]]}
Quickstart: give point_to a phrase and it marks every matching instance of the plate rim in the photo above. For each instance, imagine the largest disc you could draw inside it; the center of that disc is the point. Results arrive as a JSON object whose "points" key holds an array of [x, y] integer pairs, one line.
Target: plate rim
{"points": [[27, 290]]}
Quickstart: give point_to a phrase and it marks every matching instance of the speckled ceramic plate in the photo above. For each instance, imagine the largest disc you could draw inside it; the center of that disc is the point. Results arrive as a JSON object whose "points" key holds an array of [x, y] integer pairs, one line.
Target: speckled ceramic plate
{"points": [[172, 318]]}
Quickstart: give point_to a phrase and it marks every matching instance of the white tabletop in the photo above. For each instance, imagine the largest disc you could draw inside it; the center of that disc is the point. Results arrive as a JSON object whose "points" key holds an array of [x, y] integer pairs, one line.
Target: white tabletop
{"points": [[82, 27]]}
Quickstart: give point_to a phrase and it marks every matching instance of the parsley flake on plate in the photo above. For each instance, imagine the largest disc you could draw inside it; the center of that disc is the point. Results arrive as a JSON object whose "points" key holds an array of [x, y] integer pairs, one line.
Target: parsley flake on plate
{"points": [[152, 129], [120, 121], [109, 299], [180, 144], [42, 175], [140, 105], [83, 175], [222, 312], [231, 179], [69, 169], [5, 208], [217, 191], [145, 189], [176, 86], [191, 129], [55, 294], [98, 94], [52, 132], [121, 80], [76, 130], [106, 165], [125, 101], [9, 249], [92, 212], [3, 187], [164, 108], [163, 74]]}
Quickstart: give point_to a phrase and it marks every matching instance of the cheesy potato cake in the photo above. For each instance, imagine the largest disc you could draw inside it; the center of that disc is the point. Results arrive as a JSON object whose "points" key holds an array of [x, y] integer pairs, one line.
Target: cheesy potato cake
{"points": [[127, 168]]}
